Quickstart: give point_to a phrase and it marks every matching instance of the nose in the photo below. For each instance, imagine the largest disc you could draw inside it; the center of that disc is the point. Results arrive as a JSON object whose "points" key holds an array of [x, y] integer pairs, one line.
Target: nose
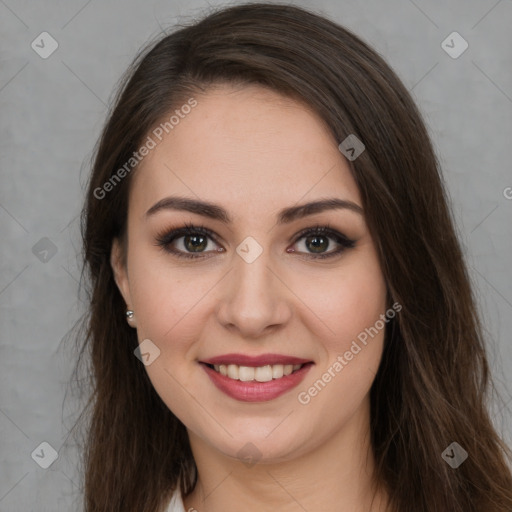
{"points": [[254, 299]]}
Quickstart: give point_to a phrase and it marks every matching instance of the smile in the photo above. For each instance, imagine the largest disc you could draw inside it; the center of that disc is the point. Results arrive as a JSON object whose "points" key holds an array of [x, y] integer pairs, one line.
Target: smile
{"points": [[266, 379]]}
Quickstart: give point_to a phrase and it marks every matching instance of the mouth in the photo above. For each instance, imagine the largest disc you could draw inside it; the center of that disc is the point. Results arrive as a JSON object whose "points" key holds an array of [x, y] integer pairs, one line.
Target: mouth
{"points": [[256, 379]]}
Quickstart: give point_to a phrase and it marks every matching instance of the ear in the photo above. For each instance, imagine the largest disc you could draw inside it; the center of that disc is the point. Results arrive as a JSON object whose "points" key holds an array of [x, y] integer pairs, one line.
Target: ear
{"points": [[118, 264]]}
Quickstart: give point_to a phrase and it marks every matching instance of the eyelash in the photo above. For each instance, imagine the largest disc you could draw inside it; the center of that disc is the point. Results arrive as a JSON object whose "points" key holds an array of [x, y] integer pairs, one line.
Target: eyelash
{"points": [[165, 238]]}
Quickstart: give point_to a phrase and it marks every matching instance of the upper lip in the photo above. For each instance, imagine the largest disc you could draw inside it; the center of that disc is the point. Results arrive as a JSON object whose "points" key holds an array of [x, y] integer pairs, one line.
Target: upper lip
{"points": [[261, 360]]}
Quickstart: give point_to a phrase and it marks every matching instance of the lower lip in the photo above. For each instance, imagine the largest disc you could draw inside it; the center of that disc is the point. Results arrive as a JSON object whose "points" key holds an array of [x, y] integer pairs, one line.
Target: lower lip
{"points": [[256, 391]]}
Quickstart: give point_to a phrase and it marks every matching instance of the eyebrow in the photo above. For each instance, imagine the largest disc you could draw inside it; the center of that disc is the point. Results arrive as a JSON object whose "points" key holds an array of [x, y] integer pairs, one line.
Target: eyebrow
{"points": [[217, 212]]}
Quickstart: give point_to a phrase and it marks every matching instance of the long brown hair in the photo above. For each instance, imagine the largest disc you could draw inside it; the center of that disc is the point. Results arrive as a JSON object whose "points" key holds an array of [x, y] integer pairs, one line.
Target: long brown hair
{"points": [[433, 384]]}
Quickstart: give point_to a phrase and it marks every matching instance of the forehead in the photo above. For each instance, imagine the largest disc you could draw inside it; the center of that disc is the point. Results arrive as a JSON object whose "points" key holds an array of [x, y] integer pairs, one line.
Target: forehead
{"points": [[249, 149]]}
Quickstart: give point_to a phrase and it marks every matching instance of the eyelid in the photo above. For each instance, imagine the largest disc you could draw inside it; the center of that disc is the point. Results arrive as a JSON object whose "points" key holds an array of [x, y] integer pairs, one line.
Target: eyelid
{"points": [[325, 229], [167, 236]]}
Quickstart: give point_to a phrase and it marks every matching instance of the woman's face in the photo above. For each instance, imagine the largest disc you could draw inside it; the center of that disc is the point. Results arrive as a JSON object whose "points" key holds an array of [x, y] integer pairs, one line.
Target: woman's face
{"points": [[255, 286]]}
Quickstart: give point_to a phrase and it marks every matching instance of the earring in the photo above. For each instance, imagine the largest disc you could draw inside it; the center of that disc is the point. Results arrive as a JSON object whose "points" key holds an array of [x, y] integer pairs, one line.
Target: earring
{"points": [[130, 318]]}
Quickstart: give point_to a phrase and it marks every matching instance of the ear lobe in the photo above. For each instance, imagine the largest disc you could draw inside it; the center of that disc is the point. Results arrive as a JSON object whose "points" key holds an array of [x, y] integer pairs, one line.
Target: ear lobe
{"points": [[119, 269]]}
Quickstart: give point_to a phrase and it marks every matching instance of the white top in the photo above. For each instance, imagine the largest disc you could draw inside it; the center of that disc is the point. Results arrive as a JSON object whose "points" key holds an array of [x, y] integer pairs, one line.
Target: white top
{"points": [[176, 504]]}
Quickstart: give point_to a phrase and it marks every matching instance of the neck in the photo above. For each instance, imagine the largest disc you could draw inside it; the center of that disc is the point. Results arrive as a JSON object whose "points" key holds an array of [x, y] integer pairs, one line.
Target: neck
{"points": [[334, 477]]}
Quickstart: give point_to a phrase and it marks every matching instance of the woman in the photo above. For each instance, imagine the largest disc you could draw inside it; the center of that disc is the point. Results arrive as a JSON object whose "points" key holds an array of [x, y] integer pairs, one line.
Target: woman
{"points": [[281, 317]]}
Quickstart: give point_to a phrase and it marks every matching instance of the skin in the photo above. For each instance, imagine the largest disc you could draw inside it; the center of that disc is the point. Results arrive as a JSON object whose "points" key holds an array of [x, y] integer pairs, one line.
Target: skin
{"points": [[255, 152]]}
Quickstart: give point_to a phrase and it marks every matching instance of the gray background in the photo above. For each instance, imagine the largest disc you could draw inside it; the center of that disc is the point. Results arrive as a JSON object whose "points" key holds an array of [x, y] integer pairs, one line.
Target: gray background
{"points": [[52, 111]]}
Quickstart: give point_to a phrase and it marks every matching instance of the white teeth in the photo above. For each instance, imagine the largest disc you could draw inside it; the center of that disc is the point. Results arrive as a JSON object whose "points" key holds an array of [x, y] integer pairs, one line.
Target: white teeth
{"points": [[245, 373], [277, 371], [260, 373], [233, 371], [263, 373]]}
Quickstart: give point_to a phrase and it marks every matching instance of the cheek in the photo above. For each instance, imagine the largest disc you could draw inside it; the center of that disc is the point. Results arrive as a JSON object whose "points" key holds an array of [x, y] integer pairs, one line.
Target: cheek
{"points": [[167, 302], [348, 301], [350, 305], [166, 298]]}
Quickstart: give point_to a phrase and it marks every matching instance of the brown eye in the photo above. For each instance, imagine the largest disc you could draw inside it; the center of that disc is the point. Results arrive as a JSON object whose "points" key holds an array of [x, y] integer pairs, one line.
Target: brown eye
{"points": [[318, 243], [195, 243], [318, 240], [195, 240]]}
